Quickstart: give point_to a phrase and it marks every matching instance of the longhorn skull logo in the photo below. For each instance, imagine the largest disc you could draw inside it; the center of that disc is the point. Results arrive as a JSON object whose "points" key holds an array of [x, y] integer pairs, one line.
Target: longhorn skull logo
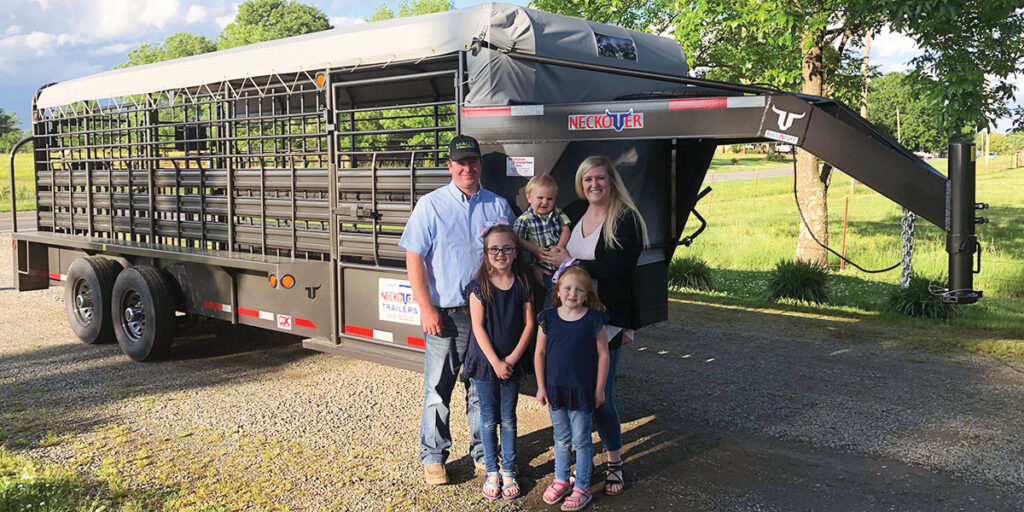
{"points": [[786, 118]]}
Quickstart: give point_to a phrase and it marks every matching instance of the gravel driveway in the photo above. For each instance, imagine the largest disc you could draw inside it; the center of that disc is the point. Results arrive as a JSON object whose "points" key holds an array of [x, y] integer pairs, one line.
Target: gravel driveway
{"points": [[723, 409]]}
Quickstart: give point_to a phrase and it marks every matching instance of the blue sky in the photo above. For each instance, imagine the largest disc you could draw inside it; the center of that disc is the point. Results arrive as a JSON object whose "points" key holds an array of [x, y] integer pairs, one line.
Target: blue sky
{"points": [[47, 41]]}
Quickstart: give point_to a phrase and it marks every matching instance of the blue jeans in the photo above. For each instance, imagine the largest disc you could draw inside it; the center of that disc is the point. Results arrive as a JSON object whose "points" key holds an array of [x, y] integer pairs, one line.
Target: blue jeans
{"points": [[572, 429], [549, 288], [441, 364], [606, 417], [498, 400]]}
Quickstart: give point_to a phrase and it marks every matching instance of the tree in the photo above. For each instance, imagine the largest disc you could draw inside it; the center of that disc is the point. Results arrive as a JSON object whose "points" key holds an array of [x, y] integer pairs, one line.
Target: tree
{"points": [[10, 130], [654, 16], [178, 45], [411, 8], [809, 46], [906, 117], [265, 20]]}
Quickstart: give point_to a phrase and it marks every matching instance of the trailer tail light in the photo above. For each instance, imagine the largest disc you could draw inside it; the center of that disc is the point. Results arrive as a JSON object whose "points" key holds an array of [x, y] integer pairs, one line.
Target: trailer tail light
{"points": [[287, 281], [273, 280]]}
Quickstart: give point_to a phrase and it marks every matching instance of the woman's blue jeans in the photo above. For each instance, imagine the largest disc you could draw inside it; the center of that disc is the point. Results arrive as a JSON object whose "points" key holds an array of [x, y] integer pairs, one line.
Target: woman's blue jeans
{"points": [[572, 429], [498, 400], [606, 417]]}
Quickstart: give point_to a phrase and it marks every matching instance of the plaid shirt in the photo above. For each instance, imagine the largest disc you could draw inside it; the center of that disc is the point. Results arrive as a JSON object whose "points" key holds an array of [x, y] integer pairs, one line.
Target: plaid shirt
{"points": [[541, 231]]}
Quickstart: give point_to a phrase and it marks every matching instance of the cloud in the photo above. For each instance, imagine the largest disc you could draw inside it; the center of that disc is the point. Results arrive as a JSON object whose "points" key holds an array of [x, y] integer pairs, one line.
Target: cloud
{"points": [[116, 48], [12, 30], [344, 21], [196, 14], [888, 44]]}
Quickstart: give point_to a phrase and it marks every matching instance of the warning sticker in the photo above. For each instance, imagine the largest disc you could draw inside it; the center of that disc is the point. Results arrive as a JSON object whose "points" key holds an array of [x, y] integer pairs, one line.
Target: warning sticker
{"points": [[519, 166], [396, 303]]}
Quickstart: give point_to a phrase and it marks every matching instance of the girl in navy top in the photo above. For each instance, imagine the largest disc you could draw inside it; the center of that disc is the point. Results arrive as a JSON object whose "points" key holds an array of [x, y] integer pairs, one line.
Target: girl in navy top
{"points": [[500, 307], [571, 361]]}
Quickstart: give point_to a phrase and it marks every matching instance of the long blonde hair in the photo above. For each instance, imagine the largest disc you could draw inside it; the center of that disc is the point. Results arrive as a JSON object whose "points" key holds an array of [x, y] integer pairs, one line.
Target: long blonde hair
{"points": [[620, 200]]}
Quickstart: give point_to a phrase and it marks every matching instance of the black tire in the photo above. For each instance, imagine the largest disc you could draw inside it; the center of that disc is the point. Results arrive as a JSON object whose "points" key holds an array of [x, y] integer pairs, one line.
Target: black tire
{"points": [[143, 313], [87, 298]]}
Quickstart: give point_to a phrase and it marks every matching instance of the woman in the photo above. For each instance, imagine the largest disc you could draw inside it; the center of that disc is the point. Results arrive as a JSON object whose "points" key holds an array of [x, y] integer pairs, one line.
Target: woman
{"points": [[608, 235]]}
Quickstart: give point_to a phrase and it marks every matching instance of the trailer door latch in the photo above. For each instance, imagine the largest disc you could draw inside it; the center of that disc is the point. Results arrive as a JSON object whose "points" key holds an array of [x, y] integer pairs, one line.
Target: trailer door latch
{"points": [[361, 212]]}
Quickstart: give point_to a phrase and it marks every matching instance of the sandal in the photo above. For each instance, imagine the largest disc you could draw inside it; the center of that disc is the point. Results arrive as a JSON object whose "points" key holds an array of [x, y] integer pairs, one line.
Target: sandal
{"points": [[556, 491], [578, 500], [492, 481], [512, 485], [613, 476]]}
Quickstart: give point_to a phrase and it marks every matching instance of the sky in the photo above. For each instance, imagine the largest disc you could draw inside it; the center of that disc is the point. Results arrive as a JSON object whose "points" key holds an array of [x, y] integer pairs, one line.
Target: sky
{"points": [[46, 41]]}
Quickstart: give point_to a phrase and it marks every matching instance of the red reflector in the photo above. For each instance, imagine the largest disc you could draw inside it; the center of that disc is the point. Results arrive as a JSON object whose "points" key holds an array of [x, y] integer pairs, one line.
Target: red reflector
{"points": [[211, 305], [302, 322], [249, 312], [697, 103], [487, 111], [358, 331], [413, 341], [54, 276]]}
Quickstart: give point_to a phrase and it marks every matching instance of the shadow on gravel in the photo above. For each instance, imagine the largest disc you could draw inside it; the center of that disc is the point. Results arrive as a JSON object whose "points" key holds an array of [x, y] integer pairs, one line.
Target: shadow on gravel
{"points": [[201, 357]]}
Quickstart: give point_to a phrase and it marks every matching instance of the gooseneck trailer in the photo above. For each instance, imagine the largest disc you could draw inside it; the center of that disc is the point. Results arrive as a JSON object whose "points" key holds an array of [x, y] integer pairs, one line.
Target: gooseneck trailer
{"points": [[268, 185]]}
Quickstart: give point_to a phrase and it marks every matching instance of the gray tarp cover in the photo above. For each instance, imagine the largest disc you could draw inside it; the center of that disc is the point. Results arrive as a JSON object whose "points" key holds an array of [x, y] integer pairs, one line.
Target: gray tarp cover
{"points": [[496, 78]]}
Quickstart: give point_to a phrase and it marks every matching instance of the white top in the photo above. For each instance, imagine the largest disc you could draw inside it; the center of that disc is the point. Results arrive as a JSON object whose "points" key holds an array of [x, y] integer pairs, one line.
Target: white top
{"points": [[583, 248], [495, 78]]}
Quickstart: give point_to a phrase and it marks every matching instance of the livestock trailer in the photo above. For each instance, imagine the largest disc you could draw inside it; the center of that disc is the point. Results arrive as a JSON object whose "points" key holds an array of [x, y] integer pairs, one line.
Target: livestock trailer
{"points": [[268, 185]]}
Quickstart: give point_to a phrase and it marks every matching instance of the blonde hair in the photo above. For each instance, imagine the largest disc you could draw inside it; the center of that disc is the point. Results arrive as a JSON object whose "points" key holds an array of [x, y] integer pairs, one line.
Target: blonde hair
{"points": [[541, 180], [620, 200], [591, 302]]}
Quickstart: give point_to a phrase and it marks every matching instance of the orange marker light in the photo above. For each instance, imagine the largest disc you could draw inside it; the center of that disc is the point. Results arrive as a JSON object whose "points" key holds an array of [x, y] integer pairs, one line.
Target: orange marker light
{"points": [[320, 79], [273, 281], [287, 281]]}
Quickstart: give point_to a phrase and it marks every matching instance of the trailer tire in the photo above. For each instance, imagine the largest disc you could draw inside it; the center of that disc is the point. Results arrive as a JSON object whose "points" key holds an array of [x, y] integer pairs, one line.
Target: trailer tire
{"points": [[87, 298], [143, 313]]}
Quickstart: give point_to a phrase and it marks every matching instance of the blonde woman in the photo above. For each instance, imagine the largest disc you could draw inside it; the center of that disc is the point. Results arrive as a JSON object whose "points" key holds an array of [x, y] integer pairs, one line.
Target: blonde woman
{"points": [[608, 234]]}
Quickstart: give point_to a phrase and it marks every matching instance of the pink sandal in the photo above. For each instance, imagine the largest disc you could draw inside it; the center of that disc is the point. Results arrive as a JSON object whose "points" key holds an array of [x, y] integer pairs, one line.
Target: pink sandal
{"points": [[556, 491], [578, 500]]}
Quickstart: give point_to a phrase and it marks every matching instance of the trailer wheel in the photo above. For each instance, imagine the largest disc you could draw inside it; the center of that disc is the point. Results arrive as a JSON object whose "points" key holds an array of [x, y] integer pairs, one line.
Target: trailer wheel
{"points": [[143, 313], [87, 298]]}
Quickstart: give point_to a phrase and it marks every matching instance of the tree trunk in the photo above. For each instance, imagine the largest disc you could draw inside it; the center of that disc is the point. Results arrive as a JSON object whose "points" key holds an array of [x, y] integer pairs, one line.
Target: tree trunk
{"points": [[811, 188]]}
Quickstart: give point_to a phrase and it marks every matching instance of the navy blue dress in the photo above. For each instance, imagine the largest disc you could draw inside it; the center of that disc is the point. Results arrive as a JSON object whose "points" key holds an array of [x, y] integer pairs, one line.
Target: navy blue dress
{"points": [[570, 364], [504, 323]]}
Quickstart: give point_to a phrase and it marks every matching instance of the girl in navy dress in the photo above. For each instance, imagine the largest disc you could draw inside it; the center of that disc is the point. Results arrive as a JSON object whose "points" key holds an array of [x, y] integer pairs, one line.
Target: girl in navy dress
{"points": [[500, 307], [571, 361]]}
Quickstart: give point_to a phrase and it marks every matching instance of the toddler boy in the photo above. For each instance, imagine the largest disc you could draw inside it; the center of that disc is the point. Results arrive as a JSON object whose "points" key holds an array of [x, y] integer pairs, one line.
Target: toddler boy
{"points": [[542, 226]]}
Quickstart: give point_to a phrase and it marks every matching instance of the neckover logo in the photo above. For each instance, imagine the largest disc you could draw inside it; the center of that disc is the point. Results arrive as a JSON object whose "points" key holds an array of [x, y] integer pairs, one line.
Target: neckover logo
{"points": [[786, 118], [617, 121]]}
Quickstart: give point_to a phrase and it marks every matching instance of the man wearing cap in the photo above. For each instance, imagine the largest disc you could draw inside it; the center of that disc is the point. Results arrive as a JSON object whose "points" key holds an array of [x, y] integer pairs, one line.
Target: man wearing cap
{"points": [[443, 250]]}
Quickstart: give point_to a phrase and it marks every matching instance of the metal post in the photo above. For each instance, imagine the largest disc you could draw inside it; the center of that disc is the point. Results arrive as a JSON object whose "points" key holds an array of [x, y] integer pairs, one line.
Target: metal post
{"points": [[14, 195], [961, 242]]}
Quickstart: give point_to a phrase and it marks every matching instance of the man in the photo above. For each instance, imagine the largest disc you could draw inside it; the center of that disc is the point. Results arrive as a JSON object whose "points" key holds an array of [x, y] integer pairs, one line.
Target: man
{"points": [[443, 250]]}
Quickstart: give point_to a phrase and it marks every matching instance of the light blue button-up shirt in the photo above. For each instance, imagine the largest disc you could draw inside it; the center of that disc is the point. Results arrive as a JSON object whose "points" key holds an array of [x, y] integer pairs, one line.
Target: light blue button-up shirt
{"points": [[444, 228]]}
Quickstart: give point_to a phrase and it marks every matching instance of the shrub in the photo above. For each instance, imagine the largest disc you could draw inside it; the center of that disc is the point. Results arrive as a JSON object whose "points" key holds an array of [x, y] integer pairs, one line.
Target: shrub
{"points": [[689, 272], [798, 280], [775, 157], [735, 160], [919, 301]]}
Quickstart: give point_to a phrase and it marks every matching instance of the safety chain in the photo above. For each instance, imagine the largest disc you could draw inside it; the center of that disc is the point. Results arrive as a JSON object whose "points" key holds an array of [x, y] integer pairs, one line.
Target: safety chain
{"points": [[907, 249]]}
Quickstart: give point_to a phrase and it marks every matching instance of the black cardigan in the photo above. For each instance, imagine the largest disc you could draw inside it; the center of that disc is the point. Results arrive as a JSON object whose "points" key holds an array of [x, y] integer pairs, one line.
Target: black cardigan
{"points": [[614, 268]]}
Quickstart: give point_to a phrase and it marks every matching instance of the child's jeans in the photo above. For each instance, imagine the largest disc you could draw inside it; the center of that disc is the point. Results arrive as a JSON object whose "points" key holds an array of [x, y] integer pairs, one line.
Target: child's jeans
{"points": [[572, 429], [498, 400], [545, 279]]}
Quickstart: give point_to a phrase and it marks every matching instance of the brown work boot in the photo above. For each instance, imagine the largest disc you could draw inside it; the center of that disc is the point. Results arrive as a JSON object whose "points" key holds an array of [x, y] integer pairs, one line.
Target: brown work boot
{"points": [[434, 474]]}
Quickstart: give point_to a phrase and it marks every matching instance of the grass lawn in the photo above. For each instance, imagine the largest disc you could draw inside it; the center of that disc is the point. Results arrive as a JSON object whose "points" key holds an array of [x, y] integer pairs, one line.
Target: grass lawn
{"points": [[23, 181], [747, 236], [722, 162]]}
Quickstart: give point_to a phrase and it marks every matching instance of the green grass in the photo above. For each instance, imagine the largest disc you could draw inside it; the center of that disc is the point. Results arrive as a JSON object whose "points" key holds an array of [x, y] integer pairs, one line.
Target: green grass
{"points": [[24, 179], [722, 162], [746, 236], [28, 486]]}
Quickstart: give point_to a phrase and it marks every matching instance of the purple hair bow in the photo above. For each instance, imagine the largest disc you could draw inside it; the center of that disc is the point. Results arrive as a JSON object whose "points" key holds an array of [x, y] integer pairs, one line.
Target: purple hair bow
{"points": [[562, 268], [502, 221]]}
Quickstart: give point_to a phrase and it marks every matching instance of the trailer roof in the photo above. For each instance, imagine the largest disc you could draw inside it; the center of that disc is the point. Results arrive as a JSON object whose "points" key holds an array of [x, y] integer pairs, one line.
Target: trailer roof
{"points": [[404, 39]]}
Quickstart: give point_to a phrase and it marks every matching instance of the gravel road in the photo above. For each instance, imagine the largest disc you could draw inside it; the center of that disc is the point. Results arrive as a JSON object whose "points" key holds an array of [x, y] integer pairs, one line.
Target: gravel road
{"points": [[723, 409]]}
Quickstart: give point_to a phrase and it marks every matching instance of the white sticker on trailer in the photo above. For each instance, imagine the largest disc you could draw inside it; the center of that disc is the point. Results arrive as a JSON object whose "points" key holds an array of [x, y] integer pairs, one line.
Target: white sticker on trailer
{"points": [[284, 322], [780, 136], [396, 302], [519, 166]]}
